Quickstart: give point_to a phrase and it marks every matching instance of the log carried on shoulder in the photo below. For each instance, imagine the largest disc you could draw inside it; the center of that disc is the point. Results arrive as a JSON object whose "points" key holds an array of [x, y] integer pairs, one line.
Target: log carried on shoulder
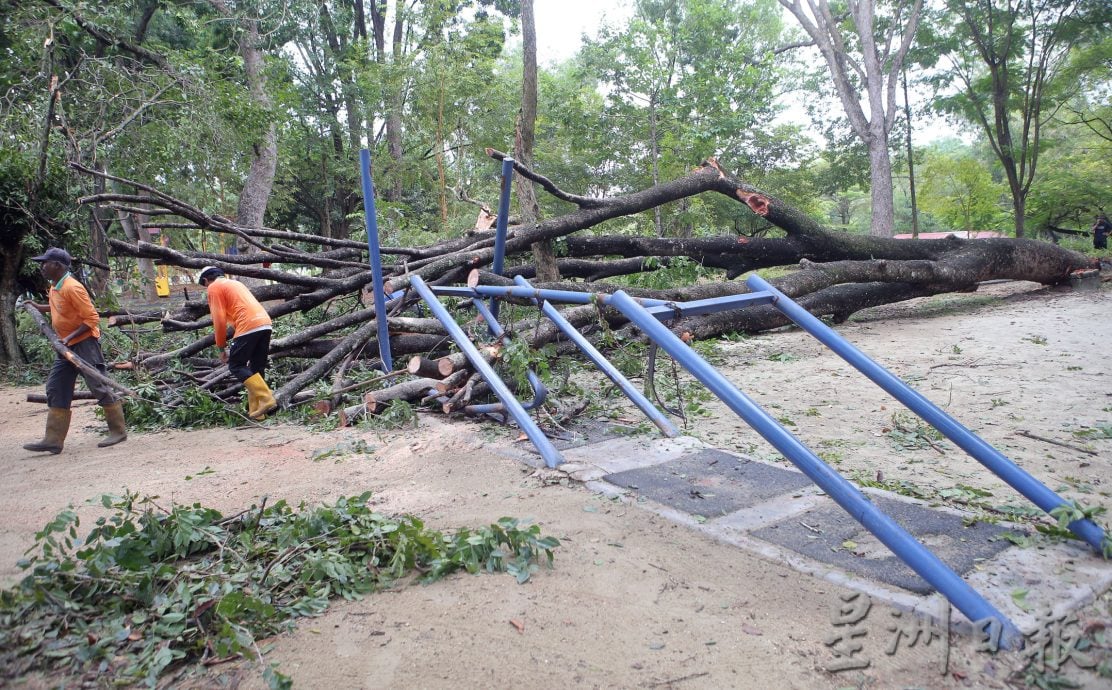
{"points": [[70, 357]]}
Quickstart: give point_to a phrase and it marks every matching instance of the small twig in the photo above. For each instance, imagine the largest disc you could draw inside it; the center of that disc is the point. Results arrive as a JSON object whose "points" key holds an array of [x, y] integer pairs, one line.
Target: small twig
{"points": [[1028, 434], [816, 530], [678, 680], [354, 386]]}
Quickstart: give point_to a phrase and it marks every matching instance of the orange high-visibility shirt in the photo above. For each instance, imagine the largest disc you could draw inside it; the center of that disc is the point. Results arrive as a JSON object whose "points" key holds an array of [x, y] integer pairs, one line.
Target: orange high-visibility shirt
{"points": [[231, 300], [70, 307]]}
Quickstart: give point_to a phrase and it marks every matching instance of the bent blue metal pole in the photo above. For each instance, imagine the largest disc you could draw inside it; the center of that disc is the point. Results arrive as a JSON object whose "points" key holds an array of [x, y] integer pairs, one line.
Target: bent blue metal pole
{"points": [[904, 545], [982, 452], [605, 366], [376, 261], [501, 224], [567, 296], [551, 456], [539, 390], [662, 309]]}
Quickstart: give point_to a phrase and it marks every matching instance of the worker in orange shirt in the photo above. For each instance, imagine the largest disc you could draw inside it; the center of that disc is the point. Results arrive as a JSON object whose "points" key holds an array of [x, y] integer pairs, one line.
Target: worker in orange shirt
{"points": [[231, 301], [77, 325]]}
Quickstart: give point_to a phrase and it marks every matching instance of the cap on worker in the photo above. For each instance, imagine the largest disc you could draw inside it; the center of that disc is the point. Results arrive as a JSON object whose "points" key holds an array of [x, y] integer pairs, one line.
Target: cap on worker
{"points": [[54, 254], [209, 273]]}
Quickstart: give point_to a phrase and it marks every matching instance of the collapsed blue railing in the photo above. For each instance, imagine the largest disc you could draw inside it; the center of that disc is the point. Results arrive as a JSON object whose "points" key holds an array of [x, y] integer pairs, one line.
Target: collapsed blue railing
{"points": [[647, 314]]}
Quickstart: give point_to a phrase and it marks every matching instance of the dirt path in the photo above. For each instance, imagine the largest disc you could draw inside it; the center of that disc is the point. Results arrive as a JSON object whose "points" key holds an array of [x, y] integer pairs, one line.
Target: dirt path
{"points": [[633, 600]]}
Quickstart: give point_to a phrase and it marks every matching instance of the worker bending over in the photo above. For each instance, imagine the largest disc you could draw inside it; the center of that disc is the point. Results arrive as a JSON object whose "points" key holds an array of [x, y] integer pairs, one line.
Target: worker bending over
{"points": [[231, 301]]}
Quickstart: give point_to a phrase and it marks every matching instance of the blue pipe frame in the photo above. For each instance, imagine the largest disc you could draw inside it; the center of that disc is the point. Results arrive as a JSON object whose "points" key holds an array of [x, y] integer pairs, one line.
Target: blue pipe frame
{"points": [[904, 545], [376, 261], [548, 452], [982, 452], [604, 365], [501, 223], [660, 308], [539, 390]]}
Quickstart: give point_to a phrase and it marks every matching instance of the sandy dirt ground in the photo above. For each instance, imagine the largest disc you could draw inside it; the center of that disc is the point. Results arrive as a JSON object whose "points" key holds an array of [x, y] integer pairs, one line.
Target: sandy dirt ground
{"points": [[633, 600]]}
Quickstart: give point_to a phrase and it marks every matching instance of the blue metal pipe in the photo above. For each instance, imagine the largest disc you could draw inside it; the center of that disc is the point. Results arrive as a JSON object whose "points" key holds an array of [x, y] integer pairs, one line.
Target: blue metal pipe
{"points": [[563, 296], [539, 390], [994, 460], [709, 306], [501, 223], [376, 260], [605, 366], [903, 544], [551, 456]]}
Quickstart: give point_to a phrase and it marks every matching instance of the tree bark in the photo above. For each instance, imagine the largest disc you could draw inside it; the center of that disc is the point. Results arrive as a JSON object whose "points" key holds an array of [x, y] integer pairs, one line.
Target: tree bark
{"points": [[255, 195], [544, 253], [11, 355]]}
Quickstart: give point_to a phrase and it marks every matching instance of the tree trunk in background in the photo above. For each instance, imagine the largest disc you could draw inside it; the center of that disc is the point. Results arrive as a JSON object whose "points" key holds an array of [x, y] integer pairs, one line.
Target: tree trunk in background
{"points": [[441, 173], [135, 233], [882, 196], [10, 353], [264, 160], [544, 253], [395, 101], [99, 220], [658, 221], [881, 48], [910, 161]]}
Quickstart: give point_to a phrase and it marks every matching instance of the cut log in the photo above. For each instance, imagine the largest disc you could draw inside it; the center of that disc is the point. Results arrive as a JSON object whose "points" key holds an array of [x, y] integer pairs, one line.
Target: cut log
{"points": [[425, 367], [67, 354]]}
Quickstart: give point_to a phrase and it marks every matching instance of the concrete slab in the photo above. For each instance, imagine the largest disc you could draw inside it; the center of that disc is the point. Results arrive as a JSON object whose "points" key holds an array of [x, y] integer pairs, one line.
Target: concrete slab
{"points": [[779, 515], [1030, 585], [828, 534], [594, 461], [710, 482]]}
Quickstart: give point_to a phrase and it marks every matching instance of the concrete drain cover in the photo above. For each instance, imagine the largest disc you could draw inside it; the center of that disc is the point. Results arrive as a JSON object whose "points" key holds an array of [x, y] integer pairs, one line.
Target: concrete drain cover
{"points": [[832, 536], [710, 483]]}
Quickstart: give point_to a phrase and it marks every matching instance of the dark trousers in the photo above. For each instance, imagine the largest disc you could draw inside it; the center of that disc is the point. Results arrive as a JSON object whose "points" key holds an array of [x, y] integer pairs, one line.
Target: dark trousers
{"points": [[63, 376], [248, 355]]}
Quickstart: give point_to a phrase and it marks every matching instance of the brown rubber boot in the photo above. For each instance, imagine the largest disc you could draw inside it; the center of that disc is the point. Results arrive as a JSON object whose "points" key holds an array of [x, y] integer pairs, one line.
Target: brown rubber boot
{"points": [[57, 426], [117, 431], [260, 394]]}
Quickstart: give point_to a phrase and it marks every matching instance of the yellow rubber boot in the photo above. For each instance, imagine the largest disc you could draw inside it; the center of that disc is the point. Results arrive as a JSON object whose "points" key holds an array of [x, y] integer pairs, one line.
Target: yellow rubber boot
{"points": [[57, 426], [263, 398], [252, 404], [117, 431]]}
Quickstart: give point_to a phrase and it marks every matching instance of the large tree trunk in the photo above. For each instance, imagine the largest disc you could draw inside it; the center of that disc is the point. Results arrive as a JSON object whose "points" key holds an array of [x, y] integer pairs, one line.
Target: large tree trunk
{"points": [[264, 154], [99, 220], [880, 182], [544, 253], [136, 233], [10, 353], [395, 101]]}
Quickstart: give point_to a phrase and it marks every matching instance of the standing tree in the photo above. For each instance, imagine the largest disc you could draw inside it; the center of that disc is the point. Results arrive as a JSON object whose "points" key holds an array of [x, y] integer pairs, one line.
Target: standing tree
{"points": [[864, 50], [959, 191], [255, 195], [687, 79], [1005, 57], [525, 133]]}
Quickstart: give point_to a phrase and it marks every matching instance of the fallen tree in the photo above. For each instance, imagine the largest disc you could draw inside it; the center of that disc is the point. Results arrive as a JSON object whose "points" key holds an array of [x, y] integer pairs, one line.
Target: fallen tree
{"points": [[836, 274]]}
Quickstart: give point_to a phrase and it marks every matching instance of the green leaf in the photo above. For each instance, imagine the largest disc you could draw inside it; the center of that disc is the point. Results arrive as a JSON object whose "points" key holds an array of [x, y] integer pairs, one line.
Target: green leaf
{"points": [[1019, 596]]}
